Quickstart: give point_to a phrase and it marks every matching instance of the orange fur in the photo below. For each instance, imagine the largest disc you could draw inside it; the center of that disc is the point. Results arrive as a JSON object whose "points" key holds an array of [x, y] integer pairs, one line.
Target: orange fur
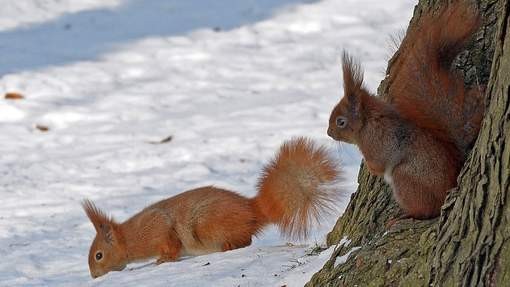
{"points": [[291, 189], [420, 140], [426, 90], [293, 192]]}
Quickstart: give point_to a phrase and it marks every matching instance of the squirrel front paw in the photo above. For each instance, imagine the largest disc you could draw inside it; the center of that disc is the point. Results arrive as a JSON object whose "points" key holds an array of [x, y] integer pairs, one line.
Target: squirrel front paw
{"points": [[166, 258], [169, 252], [374, 168]]}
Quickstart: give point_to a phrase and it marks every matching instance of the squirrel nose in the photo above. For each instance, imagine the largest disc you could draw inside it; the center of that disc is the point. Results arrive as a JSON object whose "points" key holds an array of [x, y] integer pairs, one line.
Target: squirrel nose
{"points": [[330, 132], [96, 273]]}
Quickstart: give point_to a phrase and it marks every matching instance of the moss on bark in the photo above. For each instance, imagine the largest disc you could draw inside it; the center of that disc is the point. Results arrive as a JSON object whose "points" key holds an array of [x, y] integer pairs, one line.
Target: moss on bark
{"points": [[474, 231]]}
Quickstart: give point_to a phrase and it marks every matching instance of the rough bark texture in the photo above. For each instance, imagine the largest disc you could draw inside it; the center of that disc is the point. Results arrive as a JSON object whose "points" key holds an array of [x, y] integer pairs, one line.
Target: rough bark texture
{"points": [[468, 245], [472, 246]]}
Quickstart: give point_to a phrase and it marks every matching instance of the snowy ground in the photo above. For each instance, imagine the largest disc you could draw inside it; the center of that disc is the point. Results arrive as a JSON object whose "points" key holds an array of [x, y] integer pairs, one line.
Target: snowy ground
{"points": [[228, 80]]}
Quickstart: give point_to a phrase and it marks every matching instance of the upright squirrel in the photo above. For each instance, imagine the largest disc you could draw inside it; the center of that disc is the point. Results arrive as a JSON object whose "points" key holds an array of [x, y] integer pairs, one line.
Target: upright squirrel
{"points": [[420, 140], [294, 189]]}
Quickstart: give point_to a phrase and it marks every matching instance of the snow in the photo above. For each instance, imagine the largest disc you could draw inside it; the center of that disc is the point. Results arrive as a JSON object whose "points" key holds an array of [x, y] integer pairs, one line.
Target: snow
{"points": [[342, 259], [228, 80], [22, 13], [9, 113]]}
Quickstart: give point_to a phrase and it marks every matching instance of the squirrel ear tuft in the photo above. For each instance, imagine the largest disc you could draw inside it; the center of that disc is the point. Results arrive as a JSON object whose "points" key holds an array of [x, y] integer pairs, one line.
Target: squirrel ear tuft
{"points": [[102, 223], [353, 80], [353, 74]]}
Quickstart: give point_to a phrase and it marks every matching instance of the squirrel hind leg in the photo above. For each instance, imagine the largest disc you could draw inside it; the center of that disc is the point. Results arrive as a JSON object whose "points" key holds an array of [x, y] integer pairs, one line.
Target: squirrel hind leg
{"points": [[228, 245], [417, 198]]}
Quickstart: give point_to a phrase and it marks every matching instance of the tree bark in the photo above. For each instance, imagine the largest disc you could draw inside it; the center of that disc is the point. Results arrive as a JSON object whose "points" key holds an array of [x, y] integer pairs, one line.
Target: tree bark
{"points": [[468, 244], [473, 247]]}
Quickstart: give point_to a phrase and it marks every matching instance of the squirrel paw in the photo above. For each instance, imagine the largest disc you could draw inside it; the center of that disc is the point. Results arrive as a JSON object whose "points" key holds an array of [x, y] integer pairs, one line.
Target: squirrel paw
{"points": [[165, 258], [390, 223], [231, 246], [374, 168], [168, 255]]}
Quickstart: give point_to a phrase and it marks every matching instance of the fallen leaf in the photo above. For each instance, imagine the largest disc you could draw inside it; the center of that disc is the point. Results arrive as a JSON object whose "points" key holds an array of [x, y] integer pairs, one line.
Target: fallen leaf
{"points": [[14, 96], [165, 140], [42, 128]]}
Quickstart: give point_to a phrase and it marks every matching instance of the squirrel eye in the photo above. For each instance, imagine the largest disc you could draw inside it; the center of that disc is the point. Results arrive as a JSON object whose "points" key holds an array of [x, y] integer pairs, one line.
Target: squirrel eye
{"points": [[99, 256], [341, 122]]}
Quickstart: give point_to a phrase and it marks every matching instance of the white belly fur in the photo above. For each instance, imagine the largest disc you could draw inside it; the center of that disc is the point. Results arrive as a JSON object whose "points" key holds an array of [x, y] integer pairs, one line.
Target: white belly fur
{"points": [[388, 176]]}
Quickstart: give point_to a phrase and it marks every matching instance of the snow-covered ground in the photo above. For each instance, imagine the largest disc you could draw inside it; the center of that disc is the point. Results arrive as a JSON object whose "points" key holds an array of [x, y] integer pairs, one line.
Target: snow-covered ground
{"points": [[228, 80]]}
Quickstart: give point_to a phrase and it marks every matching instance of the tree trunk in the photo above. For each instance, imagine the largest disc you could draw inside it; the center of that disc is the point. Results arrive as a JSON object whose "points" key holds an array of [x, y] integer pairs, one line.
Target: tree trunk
{"points": [[468, 245]]}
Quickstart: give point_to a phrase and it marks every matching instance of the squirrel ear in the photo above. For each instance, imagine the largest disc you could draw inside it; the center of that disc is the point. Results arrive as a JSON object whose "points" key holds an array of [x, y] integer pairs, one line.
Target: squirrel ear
{"points": [[106, 232], [353, 81], [103, 224]]}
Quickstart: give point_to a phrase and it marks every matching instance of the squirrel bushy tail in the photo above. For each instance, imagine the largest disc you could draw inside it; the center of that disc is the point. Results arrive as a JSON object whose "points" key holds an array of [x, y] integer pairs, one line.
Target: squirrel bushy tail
{"points": [[296, 187], [426, 90]]}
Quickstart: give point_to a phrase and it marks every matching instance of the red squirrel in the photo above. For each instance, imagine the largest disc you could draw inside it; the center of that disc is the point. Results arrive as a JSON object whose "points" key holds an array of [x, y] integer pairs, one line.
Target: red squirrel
{"points": [[294, 190], [420, 140]]}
